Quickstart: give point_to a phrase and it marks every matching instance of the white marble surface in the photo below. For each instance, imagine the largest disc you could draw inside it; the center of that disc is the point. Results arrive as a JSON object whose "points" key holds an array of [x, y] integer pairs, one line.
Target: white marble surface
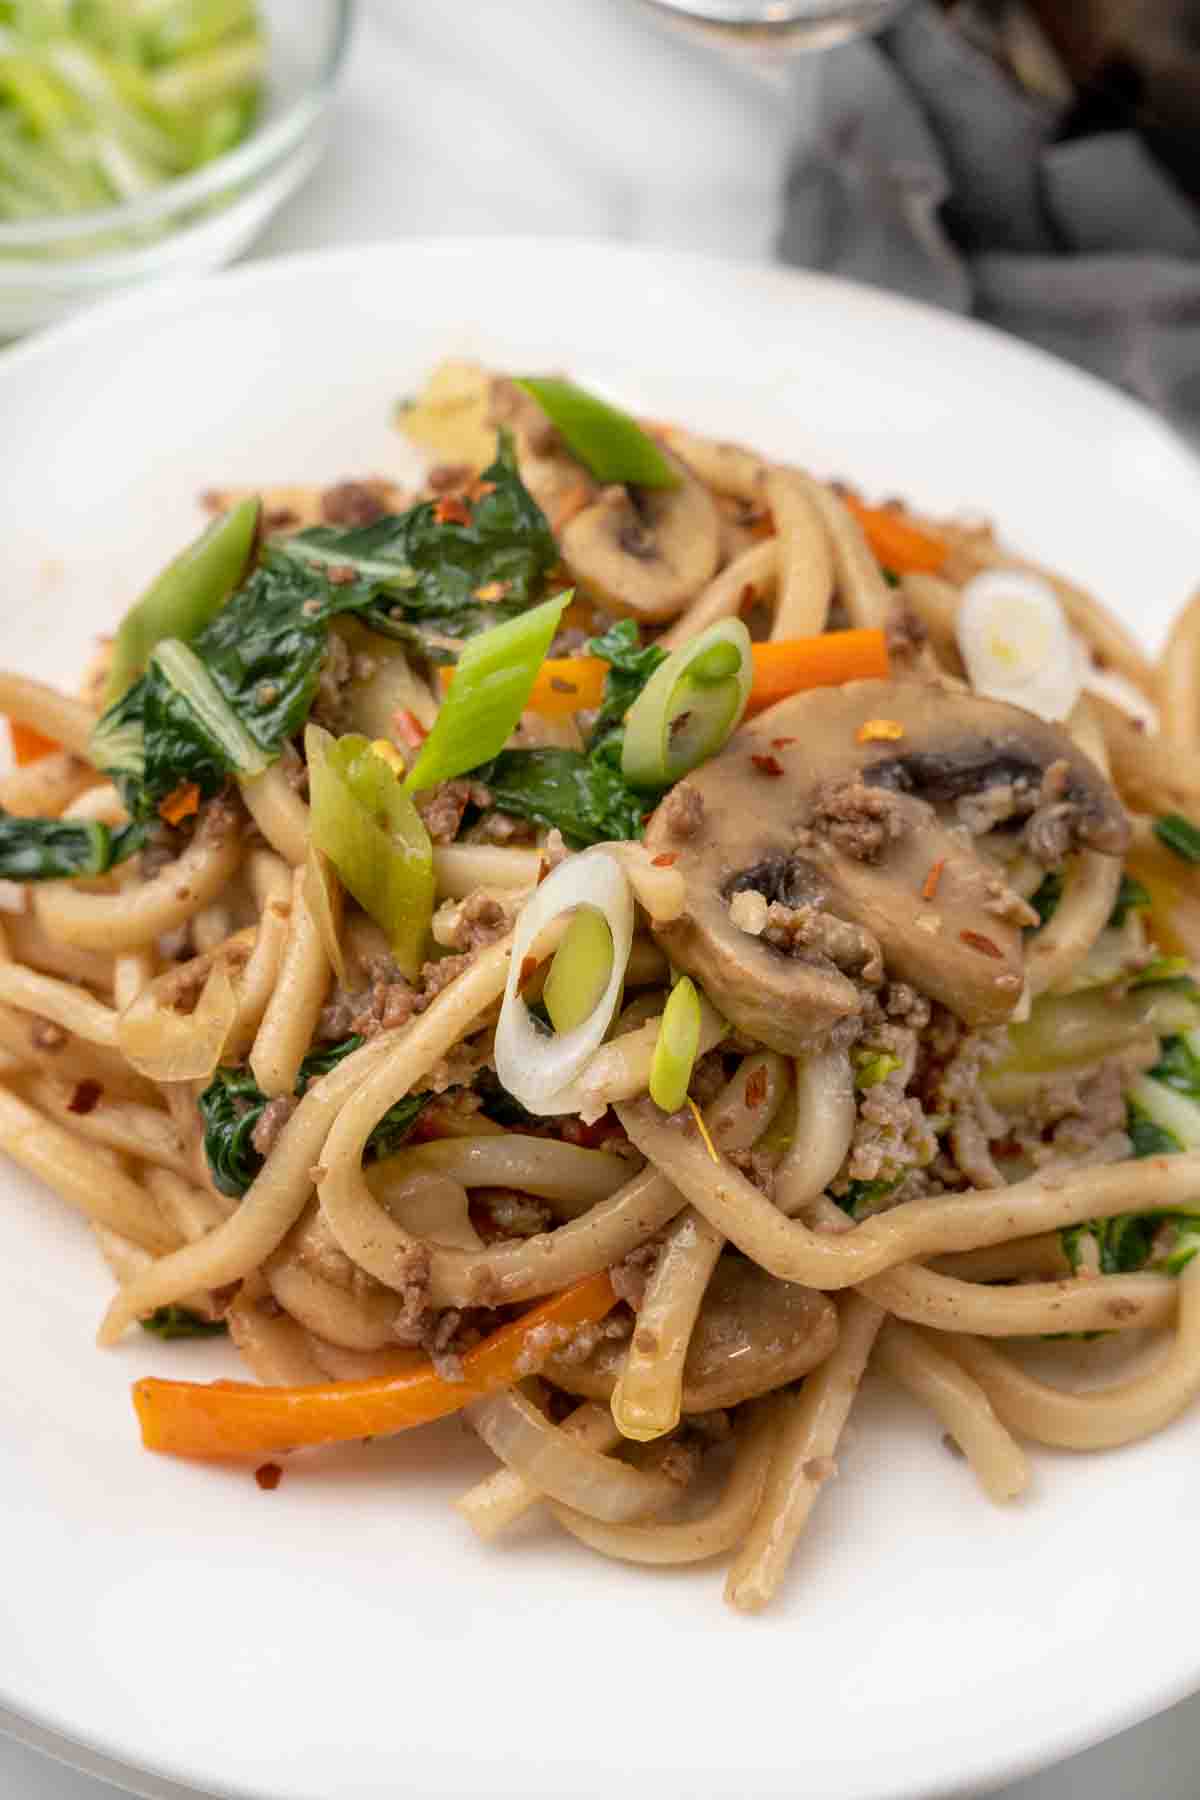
{"points": [[601, 125]]}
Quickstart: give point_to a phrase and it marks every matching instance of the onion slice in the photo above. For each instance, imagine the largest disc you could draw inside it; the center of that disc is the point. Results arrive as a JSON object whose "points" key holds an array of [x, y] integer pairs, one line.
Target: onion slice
{"points": [[323, 897], [557, 1465], [168, 1044], [1017, 644], [537, 1067]]}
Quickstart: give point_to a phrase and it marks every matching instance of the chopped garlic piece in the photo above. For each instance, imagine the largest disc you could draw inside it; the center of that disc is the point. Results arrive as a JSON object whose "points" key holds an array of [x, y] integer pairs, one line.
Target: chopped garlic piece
{"points": [[748, 911]]}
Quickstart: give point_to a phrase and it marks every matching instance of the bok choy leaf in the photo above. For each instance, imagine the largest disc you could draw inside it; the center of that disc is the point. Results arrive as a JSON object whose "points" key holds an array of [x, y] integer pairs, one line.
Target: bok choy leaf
{"points": [[55, 849], [232, 1105]]}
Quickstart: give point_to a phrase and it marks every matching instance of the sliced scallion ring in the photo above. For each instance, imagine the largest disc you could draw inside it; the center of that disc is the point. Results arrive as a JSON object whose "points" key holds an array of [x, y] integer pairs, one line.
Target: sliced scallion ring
{"points": [[675, 1051], [689, 707], [1017, 643], [580, 970], [540, 1067]]}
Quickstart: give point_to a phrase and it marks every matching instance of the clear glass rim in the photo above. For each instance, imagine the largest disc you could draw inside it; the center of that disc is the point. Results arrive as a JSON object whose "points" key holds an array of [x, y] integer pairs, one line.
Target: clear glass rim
{"points": [[767, 15], [260, 153]]}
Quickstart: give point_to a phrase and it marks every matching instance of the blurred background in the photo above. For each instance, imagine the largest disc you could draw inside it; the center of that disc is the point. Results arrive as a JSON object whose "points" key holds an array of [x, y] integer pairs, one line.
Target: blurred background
{"points": [[1035, 162]]}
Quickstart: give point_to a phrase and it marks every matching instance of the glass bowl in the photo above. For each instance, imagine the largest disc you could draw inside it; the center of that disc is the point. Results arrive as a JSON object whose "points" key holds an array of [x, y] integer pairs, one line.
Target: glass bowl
{"points": [[50, 267]]}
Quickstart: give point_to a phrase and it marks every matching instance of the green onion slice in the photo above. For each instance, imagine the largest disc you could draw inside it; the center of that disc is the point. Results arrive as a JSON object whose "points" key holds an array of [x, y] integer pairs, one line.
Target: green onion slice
{"points": [[540, 1067], [610, 445], [491, 685], [190, 591], [580, 971], [367, 825], [104, 100], [677, 1046], [689, 707]]}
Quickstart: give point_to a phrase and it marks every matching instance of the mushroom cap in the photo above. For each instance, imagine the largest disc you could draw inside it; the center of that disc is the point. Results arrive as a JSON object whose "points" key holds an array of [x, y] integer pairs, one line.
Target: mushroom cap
{"points": [[645, 551], [753, 1333], [756, 817]]}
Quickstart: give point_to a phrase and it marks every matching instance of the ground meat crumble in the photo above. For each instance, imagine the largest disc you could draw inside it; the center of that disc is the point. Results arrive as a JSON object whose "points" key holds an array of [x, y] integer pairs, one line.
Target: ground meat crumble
{"points": [[388, 1001], [795, 929], [860, 820], [442, 807], [273, 1118]]}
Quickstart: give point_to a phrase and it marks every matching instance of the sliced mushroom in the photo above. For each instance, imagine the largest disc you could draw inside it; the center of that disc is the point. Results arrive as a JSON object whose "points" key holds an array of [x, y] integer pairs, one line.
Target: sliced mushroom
{"points": [[831, 799], [645, 551], [753, 1334]]}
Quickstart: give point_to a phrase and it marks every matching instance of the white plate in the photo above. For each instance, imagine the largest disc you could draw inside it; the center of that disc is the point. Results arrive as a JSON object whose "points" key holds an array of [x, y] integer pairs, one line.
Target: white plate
{"points": [[345, 1636]]}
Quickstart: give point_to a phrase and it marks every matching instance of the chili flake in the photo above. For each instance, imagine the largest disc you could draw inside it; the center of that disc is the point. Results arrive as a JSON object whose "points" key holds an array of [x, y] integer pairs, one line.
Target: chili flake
{"points": [[667, 860], [975, 940], [929, 886], [766, 765], [450, 510], [85, 1097], [756, 1087], [409, 728], [181, 804], [268, 1476]]}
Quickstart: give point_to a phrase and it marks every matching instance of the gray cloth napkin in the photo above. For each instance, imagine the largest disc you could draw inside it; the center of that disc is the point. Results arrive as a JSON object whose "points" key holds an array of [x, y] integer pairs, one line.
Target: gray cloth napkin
{"points": [[925, 170]]}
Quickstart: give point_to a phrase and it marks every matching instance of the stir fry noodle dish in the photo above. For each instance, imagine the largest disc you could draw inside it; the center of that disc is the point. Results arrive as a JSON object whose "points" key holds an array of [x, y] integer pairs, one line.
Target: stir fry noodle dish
{"points": [[624, 942]]}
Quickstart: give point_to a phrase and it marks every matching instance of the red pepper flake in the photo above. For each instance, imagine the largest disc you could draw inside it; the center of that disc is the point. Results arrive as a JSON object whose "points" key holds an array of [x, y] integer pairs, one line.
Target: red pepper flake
{"points": [[450, 510], [976, 941], [589, 1137], [766, 765], [756, 1087], [667, 860], [543, 871], [268, 1476], [343, 575], [85, 1098], [929, 886], [409, 728], [781, 743]]}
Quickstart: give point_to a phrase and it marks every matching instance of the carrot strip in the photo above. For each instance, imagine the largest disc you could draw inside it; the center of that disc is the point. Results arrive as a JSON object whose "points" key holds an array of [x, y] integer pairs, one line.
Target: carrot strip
{"points": [[565, 684], [29, 745], [789, 665], [180, 804], [897, 543], [234, 1418]]}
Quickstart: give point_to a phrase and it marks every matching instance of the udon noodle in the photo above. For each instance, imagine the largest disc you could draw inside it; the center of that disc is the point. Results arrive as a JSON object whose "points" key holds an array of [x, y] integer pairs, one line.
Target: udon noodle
{"points": [[926, 941]]}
